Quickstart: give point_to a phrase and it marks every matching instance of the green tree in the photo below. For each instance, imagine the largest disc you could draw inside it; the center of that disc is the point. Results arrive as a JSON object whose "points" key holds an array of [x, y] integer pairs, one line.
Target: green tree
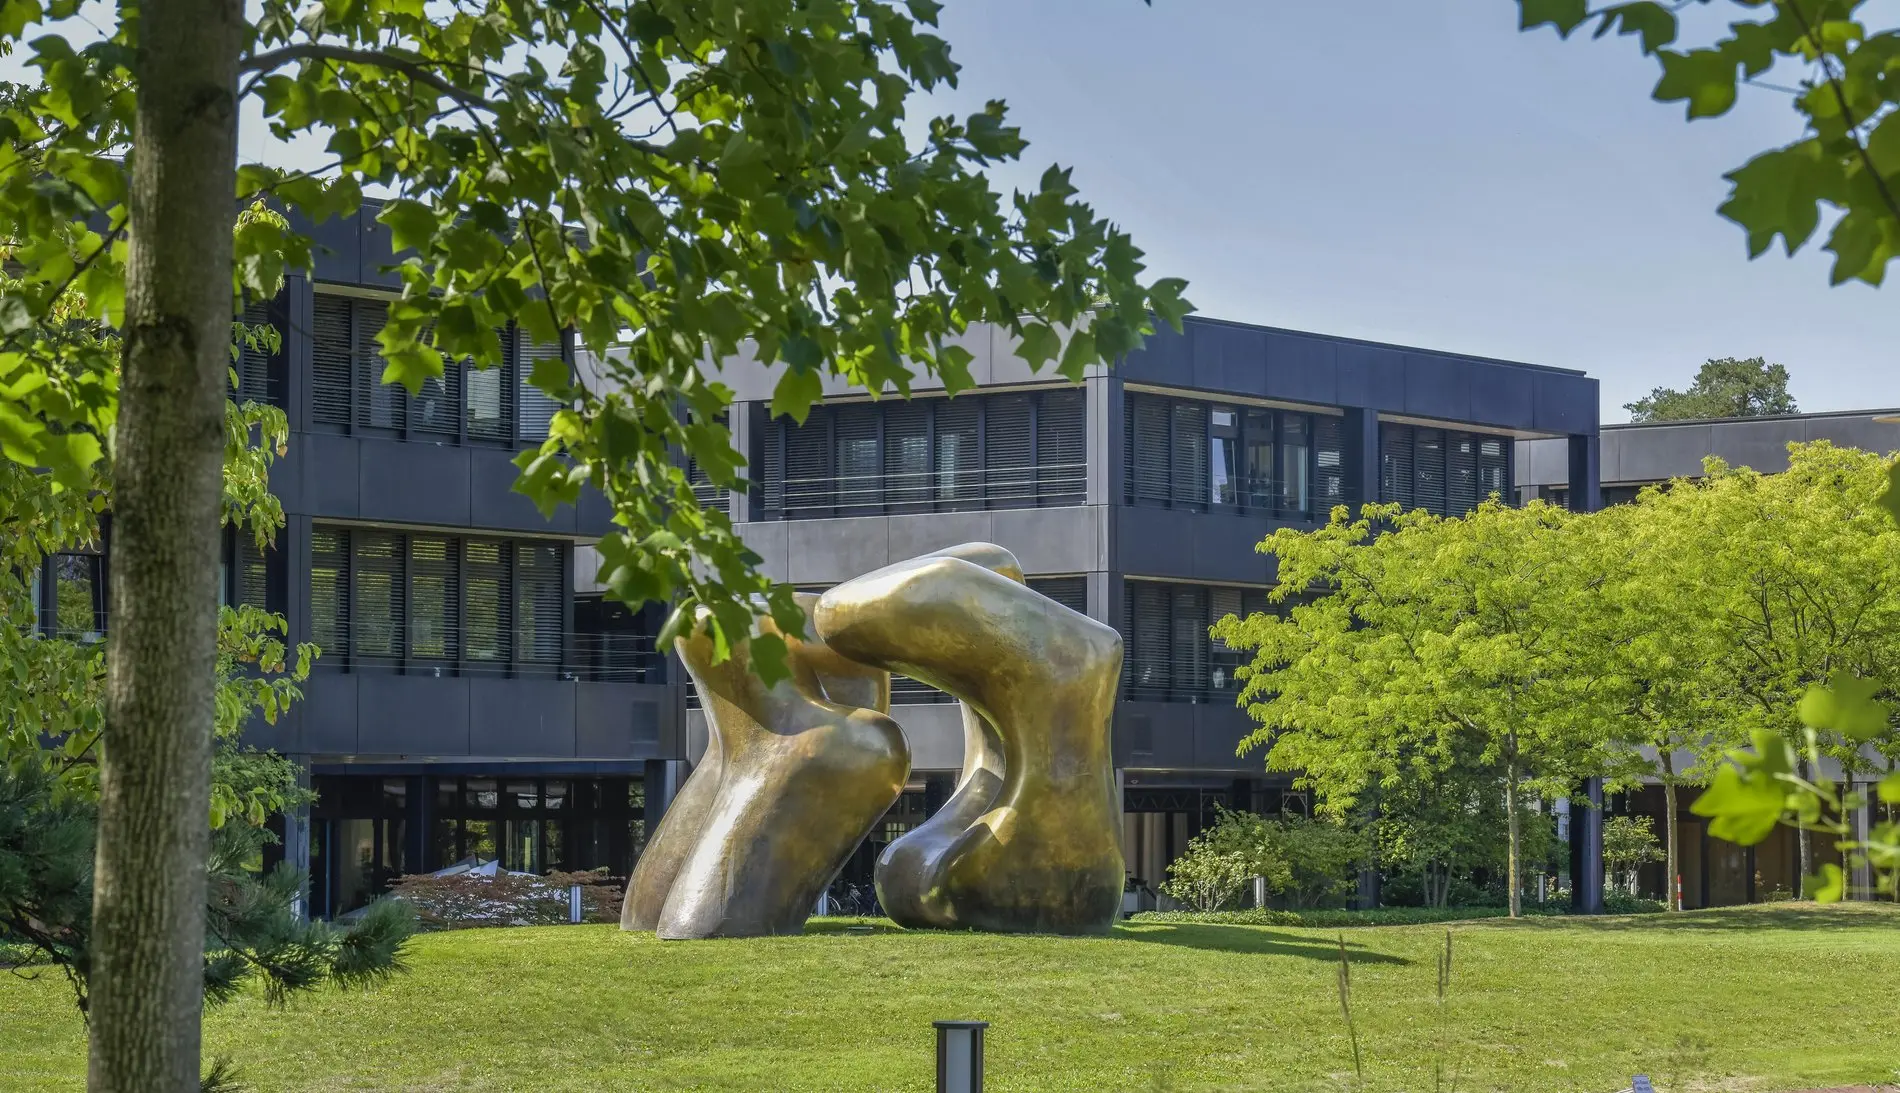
{"points": [[1432, 642], [1727, 387], [1445, 828], [1629, 843], [670, 179], [1847, 159]]}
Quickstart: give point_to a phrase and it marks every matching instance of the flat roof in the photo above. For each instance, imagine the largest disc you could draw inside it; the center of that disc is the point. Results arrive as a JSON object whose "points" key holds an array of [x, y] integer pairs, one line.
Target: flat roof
{"points": [[1889, 412], [1198, 318]]}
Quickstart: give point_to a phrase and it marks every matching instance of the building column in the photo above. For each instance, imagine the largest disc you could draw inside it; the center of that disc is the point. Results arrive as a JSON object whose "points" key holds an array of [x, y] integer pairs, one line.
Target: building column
{"points": [[1362, 441], [663, 778], [937, 790], [1861, 882], [1586, 849], [1586, 481], [297, 841]]}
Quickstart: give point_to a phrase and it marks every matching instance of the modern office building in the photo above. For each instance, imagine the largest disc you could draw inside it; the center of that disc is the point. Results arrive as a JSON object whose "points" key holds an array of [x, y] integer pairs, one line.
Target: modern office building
{"points": [[477, 695], [1713, 872]]}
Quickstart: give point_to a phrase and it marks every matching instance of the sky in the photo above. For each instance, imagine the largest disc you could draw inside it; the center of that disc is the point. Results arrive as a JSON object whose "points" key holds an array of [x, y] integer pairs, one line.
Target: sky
{"points": [[1419, 172]]}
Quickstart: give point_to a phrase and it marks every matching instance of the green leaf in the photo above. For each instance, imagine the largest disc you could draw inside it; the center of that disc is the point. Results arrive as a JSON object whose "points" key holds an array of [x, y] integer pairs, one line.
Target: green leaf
{"points": [[1039, 345], [797, 389], [1705, 78], [1890, 790], [1741, 809], [1656, 23], [1827, 886], [1846, 706], [1565, 15], [411, 224], [1889, 497]]}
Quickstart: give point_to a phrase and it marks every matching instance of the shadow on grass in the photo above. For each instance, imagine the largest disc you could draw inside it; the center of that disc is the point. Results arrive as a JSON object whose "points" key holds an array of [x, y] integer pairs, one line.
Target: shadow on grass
{"points": [[1759, 916], [1250, 939]]}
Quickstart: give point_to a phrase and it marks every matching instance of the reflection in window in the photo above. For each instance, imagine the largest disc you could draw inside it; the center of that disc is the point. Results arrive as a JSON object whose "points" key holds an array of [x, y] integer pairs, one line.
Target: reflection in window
{"points": [[1224, 437], [1293, 449], [1262, 459], [78, 597]]}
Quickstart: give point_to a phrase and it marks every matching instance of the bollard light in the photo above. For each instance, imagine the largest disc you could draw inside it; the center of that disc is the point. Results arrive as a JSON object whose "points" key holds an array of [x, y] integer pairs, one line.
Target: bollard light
{"points": [[574, 903], [960, 1056]]}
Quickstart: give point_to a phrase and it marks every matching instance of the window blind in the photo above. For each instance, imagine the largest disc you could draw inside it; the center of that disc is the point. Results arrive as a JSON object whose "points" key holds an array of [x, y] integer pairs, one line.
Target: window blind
{"points": [[486, 634], [433, 599], [956, 460], [536, 406], [330, 595], [1070, 592], [856, 457], [377, 602], [1008, 480], [1188, 453], [383, 405], [538, 602], [331, 370], [1061, 448], [907, 456]]}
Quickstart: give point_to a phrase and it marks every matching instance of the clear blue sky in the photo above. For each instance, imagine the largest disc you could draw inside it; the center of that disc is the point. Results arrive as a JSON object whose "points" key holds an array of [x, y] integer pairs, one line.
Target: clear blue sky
{"points": [[1417, 171]]}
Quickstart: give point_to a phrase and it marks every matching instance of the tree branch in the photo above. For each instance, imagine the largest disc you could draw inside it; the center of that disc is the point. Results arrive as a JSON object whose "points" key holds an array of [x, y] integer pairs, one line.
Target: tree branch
{"points": [[415, 70]]}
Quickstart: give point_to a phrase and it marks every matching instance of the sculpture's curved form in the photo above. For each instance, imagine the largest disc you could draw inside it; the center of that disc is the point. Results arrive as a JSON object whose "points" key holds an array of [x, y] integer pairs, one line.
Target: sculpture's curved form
{"points": [[905, 865], [798, 773], [1045, 856]]}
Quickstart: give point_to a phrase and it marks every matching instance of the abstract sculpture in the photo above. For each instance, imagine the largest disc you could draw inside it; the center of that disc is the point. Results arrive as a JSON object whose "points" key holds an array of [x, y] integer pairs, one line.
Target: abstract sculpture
{"points": [[1045, 856], [794, 777]]}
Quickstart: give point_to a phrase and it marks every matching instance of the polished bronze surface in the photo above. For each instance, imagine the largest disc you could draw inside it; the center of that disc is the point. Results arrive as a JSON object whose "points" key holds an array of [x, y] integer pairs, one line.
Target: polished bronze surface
{"points": [[1044, 856], [906, 865], [796, 775]]}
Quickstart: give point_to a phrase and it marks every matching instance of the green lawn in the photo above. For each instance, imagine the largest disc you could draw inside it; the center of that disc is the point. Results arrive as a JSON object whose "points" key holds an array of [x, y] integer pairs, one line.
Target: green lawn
{"points": [[1744, 999]]}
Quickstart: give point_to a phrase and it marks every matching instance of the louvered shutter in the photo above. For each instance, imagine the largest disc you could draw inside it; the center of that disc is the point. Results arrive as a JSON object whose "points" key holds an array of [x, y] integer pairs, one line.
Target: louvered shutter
{"points": [[376, 607], [772, 488], [860, 467], [1146, 639], [330, 595], [907, 456], [1189, 654], [491, 393], [959, 478], [253, 573], [1222, 602], [1428, 469], [1188, 453], [1008, 471], [330, 361], [708, 495], [1395, 464], [437, 407], [808, 487], [383, 404], [254, 357], [433, 598], [486, 600], [536, 406], [538, 601], [1329, 443], [1061, 455], [1147, 463], [1070, 592], [1461, 473], [1494, 467]]}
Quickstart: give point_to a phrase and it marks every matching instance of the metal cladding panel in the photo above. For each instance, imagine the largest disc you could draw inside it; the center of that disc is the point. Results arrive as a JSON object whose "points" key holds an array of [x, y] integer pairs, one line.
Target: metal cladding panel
{"points": [[1762, 445], [1653, 455], [1437, 387], [1228, 358], [287, 474], [1501, 395], [378, 253], [331, 476], [1563, 403], [594, 516], [1218, 730], [622, 720], [414, 483], [530, 718], [1302, 368], [1216, 546], [328, 714], [412, 715], [493, 502], [336, 246], [1855, 432], [1154, 734], [1165, 358], [1370, 376]]}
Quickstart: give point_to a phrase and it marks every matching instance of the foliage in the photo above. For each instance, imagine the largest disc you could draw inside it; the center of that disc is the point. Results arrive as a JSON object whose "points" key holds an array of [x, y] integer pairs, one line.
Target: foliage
{"points": [[464, 900], [1305, 862], [1206, 877], [1629, 843], [1435, 833], [1727, 387], [1847, 160]]}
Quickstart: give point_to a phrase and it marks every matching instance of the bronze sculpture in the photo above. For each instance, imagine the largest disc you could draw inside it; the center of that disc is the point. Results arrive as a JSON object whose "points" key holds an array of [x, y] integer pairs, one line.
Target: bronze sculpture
{"points": [[1045, 856], [794, 777]]}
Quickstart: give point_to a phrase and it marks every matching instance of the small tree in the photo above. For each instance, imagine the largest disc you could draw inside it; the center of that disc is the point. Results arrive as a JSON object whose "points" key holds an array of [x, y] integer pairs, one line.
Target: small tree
{"points": [[1629, 843], [1724, 387], [1206, 877]]}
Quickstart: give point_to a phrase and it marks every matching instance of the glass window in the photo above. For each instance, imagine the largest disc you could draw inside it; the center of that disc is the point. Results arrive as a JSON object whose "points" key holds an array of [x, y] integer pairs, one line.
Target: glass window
{"points": [[554, 794], [432, 598], [1262, 459], [484, 612], [478, 839], [524, 796], [480, 794], [1294, 440], [78, 597], [1224, 456], [378, 600]]}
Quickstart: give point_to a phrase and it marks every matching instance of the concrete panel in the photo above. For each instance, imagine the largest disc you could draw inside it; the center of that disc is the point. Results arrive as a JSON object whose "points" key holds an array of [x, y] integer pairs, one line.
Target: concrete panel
{"points": [[770, 539], [619, 720], [331, 477], [1060, 540], [493, 502], [829, 551], [530, 718], [1229, 358], [414, 483], [695, 736], [1650, 455], [909, 536], [935, 734], [1501, 395], [1762, 445], [1437, 387], [411, 715], [1303, 368], [1370, 376], [328, 713]]}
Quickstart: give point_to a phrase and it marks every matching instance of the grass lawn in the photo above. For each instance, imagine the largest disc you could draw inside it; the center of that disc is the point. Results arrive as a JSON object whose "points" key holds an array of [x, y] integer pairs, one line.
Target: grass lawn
{"points": [[1745, 999]]}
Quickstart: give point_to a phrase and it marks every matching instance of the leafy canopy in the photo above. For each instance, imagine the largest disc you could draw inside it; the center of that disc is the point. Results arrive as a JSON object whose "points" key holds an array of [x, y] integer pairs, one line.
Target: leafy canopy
{"points": [[675, 181], [1724, 387], [1844, 89]]}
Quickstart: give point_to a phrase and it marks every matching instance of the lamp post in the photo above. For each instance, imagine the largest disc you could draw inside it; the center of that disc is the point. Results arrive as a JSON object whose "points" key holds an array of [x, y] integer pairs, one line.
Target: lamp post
{"points": [[960, 1056]]}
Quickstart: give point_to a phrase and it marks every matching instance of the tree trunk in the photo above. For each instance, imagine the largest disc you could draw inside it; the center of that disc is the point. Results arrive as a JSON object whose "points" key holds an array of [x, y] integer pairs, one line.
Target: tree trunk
{"points": [[147, 971], [1514, 823], [1672, 845], [1804, 847]]}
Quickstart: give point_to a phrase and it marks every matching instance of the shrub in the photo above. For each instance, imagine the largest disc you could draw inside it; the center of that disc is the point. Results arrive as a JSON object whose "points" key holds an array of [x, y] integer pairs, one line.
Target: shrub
{"points": [[1206, 877], [467, 900]]}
